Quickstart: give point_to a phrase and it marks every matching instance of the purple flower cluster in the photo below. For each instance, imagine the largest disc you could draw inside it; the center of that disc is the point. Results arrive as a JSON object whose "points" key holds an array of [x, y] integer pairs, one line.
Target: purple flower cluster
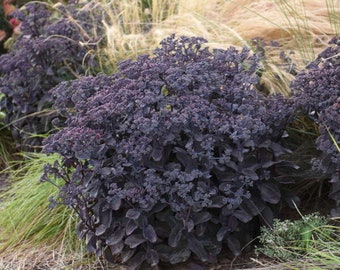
{"points": [[172, 155]]}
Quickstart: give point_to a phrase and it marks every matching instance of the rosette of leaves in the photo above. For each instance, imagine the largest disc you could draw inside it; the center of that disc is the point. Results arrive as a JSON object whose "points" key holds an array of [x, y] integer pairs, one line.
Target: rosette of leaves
{"points": [[52, 48], [174, 155], [317, 94]]}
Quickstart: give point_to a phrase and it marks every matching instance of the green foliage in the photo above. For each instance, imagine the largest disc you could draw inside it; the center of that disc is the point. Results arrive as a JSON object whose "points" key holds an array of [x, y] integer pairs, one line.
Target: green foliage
{"points": [[290, 240], [25, 217]]}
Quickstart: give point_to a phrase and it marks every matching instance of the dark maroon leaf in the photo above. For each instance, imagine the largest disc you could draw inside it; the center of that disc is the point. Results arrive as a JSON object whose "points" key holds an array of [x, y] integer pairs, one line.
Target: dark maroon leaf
{"points": [[243, 214], [218, 202], [80, 230], [201, 217], [255, 205], [116, 202], [285, 179], [251, 173], [117, 248], [133, 213], [101, 229], [116, 237], [221, 233], [189, 225], [106, 218], [127, 254], [152, 257], [269, 192], [134, 240], [175, 236], [201, 229], [136, 260], [91, 243], [179, 256], [157, 151], [196, 247], [108, 255], [131, 226], [149, 233], [158, 207], [234, 245]]}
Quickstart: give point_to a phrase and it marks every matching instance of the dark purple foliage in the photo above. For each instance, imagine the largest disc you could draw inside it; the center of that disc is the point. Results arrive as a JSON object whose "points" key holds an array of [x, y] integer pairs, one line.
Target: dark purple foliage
{"points": [[317, 92], [329, 142], [318, 85], [173, 155], [52, 48]]}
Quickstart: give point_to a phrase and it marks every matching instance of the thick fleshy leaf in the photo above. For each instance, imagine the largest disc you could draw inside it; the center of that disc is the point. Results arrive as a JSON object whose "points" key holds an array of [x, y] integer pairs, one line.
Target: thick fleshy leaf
{"points": [[101, 229], [179, 256], [201, 217], [197, 247], [188, 163], [152, 257], [149, 233], [134, 240], [218, 201], [91, 243], [278, 150], [80, 230], [115, 203], [190, 225], [116, 237], [234, 245], [158, 207], [221, 233], [175, 235], [133, 213], [127, 254], [108, 255], [255, 205], [117, 248], [106, 218], [136, 260], [201, 229], [157, 151], [269, 192], [131, 226], [250, 173], [285, 179], [243, 214]]}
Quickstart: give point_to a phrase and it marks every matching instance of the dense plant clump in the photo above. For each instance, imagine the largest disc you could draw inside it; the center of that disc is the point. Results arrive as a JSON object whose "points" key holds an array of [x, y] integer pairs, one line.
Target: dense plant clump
{"points": [[173, 155], [318, 95], [52, 47]]}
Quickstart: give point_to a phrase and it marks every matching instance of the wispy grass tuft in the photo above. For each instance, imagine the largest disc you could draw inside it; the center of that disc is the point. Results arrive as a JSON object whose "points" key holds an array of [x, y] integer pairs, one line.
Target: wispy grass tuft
{"points": [[25, 217], [311, 242]]}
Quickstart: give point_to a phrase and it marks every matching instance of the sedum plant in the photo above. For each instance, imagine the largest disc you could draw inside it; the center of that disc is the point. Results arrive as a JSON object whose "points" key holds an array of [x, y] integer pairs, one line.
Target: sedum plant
{"points": [[53, 47], [317, 94], [173, 156]]}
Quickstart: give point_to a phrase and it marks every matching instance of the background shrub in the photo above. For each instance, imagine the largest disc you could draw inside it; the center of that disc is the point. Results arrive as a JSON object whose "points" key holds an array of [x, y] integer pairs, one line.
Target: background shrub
{"points": [[172, 155], [53, 47]]}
